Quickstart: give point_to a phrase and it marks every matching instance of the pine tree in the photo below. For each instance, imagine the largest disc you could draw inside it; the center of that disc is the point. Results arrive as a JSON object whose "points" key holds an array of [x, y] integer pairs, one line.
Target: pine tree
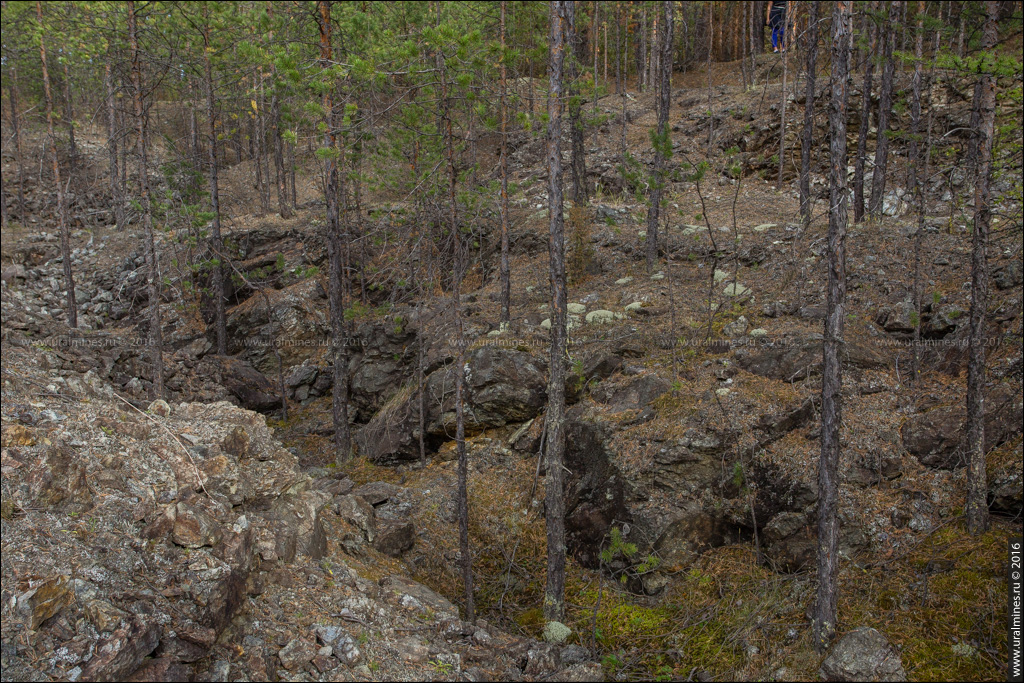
{"points": [[985, 103], [824, 622], [71, 308], [554, 594], [155, 340]]}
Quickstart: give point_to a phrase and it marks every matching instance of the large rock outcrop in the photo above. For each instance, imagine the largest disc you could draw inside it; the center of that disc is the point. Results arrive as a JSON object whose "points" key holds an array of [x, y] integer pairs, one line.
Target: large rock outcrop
{"points": [[504, 386], [935, 436]]}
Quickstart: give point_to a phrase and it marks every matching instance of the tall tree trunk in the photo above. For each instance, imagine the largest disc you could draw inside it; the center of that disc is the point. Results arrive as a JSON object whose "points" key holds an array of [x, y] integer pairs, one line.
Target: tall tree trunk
{"points": [[116, 189], [663, 141], [641, 49], [335, 251], [977, 483], [594, 32], [554, 594], [808, 134], [466, 557], [62, 214], [865, 115], [259, 144], [291, 175], [284, 208], [193, 135], [824, 622], [578, 163], [743, 25], [711, 116], [219, 314], [506, 287], [153, 276], [620, 77], [69, 121], [787, 21], [16, 133], [884, 112], [913, 178], [605, 23], [280, 178]]}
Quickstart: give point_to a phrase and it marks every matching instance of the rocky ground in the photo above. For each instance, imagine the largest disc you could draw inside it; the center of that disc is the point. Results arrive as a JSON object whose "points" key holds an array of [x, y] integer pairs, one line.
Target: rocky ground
{"points": [[211, 537]]}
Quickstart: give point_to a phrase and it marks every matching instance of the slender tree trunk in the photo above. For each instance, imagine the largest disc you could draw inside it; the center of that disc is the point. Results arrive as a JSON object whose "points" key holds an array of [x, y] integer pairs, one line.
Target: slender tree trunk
{"points": [[506, 287], [787, 21], [554, 594], [884, 112], [742, 25], [259, 143], [711, 115], [824, 622], [578, 163], [193, 131], [808, 135], [652, 60], [153, 289], [335, 251], [71, 308], [663, 141], [291, 175], [283, 207], [641, 50], [620, 77], [977, 482], [913, 179], [865, 116], [16, 131], [219, 314], [466, 558], [280, 178], [594, 34], [69, 121], [116, 190]]}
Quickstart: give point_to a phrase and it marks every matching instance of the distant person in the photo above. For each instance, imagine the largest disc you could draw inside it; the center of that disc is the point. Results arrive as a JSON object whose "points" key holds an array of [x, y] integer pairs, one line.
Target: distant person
{"points": [[777, 21]]}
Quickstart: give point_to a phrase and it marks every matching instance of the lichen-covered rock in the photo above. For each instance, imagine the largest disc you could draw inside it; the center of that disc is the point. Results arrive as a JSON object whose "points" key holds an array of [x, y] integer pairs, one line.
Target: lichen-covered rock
{"points": [[556, 632], [296, 654], [863, 654]]}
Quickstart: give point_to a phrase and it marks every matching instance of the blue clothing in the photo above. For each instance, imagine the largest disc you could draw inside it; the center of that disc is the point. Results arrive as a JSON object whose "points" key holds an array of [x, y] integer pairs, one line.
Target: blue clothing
{"points": [[777, 21]]}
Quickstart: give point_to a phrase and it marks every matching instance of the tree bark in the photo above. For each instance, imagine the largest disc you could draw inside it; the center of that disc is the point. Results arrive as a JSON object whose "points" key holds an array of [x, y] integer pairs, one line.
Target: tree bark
{"points": [[884, 112], [16, 133], [71, 308], [116, 189], [69, 121], [259, 143], [977, 483], [663, 141], [913, 179], [824, 622], [506, 287], [808, 134], [578, 163], [711, 117], [219, 314], [153, 276], [335, 252], [786, 24], [865, 116], [283, 207], [554, 594], [466, 558]]}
